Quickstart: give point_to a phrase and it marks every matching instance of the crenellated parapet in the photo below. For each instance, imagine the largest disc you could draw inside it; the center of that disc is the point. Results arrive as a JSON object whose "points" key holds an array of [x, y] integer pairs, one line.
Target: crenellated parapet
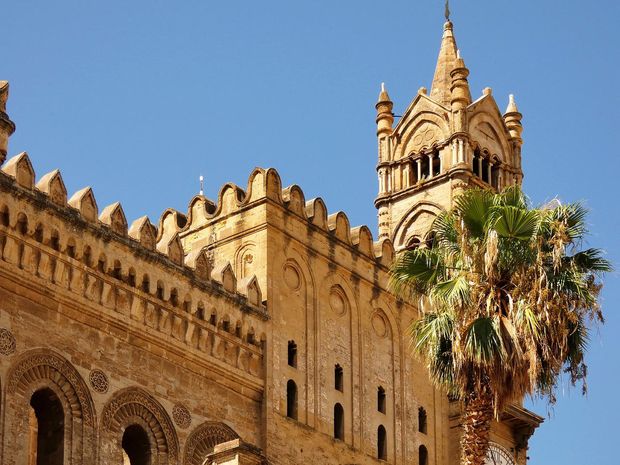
{"points": [[136, 277], [265, 186]]}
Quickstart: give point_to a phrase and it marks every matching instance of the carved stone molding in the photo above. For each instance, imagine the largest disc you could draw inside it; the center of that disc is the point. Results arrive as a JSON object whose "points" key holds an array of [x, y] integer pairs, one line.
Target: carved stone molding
{"points": [[130, 403], [43, 364], [204, 438]]}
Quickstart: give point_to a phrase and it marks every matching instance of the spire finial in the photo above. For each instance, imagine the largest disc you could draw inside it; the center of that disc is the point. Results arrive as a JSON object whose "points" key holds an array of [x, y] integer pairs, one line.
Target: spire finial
{"points": [[383, 87], [202, 180], [447, 13]]}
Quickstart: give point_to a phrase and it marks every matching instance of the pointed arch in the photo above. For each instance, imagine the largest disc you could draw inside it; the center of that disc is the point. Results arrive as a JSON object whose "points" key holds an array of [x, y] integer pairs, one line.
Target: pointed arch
{"points": [[203, 440], [421, 215]]}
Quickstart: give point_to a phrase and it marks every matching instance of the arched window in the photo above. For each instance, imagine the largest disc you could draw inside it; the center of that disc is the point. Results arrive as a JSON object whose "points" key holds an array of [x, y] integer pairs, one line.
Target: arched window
{"points": [[422, 420], [430, 240], [475, 163], [381, 443], [338, 422], [485, 170], [338, 378], [422, 456], [425, 166], [47, 429], [291, 399], [4, 216], [292, 354], [381, 399], [413, 243], [136, 447], [495, 174]]}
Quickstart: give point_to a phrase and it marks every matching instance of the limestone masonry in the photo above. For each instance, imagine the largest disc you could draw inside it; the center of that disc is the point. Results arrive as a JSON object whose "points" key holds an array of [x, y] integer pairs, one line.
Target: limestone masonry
{"points": [[255, 329]]}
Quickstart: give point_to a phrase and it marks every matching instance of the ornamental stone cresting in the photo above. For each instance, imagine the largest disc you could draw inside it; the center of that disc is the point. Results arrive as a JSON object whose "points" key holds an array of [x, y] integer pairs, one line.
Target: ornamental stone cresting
{"points": [[254, 329]]}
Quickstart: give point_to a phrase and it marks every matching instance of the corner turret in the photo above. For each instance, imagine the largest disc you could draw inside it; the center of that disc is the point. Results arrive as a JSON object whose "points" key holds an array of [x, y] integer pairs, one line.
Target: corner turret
{"points": [[7, 127], [385, 117]]}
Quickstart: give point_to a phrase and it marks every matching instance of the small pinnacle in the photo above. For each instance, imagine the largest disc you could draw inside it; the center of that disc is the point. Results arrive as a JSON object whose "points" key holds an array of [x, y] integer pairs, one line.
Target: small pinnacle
{"points": [[458, 54], [383, 87], [512, 105], [487, 91]]}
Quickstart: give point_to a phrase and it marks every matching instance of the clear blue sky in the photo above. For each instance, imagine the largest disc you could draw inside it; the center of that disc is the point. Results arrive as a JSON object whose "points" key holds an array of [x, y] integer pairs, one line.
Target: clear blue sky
{"points": [[137, 98]]}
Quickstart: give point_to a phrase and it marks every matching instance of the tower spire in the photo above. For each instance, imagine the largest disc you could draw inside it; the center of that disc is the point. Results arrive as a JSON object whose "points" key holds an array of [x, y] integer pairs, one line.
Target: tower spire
{"points": [[440, 90], [447, 13]]}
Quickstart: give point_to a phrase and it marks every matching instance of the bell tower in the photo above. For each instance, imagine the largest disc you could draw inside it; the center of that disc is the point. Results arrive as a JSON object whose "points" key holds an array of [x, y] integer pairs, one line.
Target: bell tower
{"points": [[444, 142]]}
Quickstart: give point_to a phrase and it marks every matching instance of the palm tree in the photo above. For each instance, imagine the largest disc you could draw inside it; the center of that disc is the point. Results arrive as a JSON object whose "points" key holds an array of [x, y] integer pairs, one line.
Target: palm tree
{"points": [[510, 294]]}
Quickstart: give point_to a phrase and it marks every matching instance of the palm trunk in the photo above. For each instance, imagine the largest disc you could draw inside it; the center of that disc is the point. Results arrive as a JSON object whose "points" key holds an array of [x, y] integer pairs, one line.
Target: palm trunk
{"points": [[476, 428]]}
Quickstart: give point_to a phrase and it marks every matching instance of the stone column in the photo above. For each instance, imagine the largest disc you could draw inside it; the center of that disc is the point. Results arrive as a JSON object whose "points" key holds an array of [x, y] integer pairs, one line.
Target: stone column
{"points": [[480, 166], [419, 166], [430, 165], [489, 169]]}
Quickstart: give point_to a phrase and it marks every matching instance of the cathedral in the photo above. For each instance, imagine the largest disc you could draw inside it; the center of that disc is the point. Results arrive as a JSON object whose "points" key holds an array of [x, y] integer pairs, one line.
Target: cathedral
{"points": [[255, 328]]}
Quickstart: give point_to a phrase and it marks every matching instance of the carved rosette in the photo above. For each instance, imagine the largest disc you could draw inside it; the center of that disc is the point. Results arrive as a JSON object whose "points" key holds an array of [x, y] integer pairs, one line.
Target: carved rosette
{"points": [[181, 416], [7, 342], [99, 381]]}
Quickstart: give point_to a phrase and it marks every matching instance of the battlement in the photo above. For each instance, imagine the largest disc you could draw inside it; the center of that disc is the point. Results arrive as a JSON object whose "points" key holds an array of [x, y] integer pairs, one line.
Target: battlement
{"points": [[265, 185], [138, 277]]}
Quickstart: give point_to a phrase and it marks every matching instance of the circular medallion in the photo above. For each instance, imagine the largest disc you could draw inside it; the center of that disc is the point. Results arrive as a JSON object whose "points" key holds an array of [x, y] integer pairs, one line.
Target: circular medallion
{"points": [[337, 301], [181, 416], [7, 342], [378, 325], [291, 277], [99, 381]]}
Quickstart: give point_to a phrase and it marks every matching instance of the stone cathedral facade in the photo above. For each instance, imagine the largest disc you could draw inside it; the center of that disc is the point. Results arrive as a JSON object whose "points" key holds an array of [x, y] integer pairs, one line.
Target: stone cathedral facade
{"points": [[254, 329]]}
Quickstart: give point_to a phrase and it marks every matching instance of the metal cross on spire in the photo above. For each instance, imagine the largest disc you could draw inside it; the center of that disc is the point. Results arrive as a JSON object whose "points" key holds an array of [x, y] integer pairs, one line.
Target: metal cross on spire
{"points": [[447, 10]]}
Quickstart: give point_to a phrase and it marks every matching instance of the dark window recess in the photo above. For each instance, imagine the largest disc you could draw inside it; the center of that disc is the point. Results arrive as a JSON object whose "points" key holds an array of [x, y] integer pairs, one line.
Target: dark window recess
{"points": [[292, 354], [338, 422], [422, 456], [338, 378], [47, 423], [136, 447], [422, 420], [381, 443], [291, 399], [381, 399]]}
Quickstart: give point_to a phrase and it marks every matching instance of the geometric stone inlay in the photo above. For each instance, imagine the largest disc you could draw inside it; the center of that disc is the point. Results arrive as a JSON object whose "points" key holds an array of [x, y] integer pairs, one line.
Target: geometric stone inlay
{"points": [[99, 381], [7, 342], [181, 416]]}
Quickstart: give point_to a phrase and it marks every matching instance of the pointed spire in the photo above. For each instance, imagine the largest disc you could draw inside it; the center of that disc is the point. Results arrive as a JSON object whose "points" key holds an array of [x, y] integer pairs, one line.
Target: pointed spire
{"points": [[512, 118], [512, 105], [383, 95], [440, 90], [385, 117]]}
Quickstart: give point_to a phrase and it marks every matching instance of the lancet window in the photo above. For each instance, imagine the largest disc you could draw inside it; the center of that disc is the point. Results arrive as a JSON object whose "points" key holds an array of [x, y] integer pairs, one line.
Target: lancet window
{"points": [[338, 422]]}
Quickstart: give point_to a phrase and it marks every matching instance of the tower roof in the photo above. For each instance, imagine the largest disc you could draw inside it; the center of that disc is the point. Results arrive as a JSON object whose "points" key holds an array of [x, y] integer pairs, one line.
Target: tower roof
{"points": [[446, 62]]}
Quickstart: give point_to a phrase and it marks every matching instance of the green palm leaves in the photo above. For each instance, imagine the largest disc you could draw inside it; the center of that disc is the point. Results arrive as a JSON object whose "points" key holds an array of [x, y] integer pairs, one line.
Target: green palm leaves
{"points": [[507, 295]]}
